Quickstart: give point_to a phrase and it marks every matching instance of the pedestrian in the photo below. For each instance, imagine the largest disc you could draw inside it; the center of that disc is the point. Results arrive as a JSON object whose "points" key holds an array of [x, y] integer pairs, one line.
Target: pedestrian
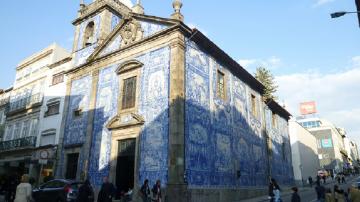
{"points": [[271, 191], [343, 179], [86, 193], [310, 181], [338, 179], [346, 196], [324, 178], [107, 191], [338, 194], [145, 191], [156, 190], [24, 190], [276, 191], [320, 192], [295, 196], [11, 185]]}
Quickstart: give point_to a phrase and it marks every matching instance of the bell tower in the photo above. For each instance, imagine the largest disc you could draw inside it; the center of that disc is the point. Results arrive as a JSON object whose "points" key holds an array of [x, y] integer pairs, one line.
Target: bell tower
{"points": [[94, 23]]}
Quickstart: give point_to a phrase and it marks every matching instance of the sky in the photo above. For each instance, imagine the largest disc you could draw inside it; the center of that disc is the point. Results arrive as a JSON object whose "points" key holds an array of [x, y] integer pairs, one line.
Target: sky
{"points": [[313, 57]]}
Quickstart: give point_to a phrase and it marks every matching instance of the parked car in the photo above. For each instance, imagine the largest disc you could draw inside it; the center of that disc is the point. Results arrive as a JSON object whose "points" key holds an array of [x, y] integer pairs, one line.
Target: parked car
{"points": [[58, 190]]}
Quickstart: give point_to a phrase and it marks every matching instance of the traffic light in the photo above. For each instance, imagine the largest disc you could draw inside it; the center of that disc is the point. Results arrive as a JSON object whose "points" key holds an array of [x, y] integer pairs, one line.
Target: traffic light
{"points": [[357, 2]]}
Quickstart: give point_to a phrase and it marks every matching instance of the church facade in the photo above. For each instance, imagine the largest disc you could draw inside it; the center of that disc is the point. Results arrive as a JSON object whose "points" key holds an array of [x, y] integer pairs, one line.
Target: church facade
{"points": [[150, 98]]}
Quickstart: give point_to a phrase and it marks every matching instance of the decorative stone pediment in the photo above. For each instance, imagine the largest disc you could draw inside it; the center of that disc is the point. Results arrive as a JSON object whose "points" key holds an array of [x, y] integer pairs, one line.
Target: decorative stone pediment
{"points": [[122, 121], [128, 66], [131, 32]]}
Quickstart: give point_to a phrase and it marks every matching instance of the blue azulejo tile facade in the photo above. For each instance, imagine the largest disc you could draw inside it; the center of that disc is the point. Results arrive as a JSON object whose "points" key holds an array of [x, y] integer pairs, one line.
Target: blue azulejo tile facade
{"points": [[281, 167], [221, 127], [106, 107], [153, 106]]}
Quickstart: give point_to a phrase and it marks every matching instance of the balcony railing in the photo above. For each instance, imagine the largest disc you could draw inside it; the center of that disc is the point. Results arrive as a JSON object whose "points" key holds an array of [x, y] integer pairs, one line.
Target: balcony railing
{"points": [[26, 142], [4, 101], [25, 102]]}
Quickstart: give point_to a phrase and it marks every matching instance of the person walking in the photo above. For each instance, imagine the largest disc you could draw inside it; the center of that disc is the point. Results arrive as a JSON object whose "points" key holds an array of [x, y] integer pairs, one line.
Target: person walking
{"points": [[295, 196], [145, 191], [277, 191], [310, 181], [86, 193], [338, 194], [107, 191], [271, 191], [156, 190], [343, 179], [320, 192], [24, 190]]}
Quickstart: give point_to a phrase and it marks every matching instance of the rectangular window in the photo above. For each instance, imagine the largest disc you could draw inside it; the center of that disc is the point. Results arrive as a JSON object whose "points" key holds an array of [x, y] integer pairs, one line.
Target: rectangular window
{"points": [[274, 120], [253, 105], [25, 129], [129, 93], [58, 79], [52, 108], [221, 85]]}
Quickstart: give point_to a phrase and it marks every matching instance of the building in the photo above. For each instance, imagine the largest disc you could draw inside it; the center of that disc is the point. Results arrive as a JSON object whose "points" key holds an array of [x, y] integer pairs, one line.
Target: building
{"points": [[4, 107], [331, 149], [304, 153], [150, 98], [21, 150], [354, 155]]}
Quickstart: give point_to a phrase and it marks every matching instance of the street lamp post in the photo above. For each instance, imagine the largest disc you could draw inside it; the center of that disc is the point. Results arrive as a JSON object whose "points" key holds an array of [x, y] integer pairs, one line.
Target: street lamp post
{"points": [[341, 13]]}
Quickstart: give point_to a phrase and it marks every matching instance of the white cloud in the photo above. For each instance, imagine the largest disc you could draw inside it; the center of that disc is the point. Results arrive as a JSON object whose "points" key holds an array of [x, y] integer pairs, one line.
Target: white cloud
{"points": [[270, 63], [322, 2], [336, 95]]}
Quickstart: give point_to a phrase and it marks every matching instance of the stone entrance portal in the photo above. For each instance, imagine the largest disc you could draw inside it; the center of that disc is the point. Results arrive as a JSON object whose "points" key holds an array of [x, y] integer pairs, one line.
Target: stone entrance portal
{"points": [[125, 164]]}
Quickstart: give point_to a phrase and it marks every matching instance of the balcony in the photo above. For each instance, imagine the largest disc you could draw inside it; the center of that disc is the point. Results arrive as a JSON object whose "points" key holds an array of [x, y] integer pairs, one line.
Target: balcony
{"points": [[4, 101], [22, 143], [25, 102]]}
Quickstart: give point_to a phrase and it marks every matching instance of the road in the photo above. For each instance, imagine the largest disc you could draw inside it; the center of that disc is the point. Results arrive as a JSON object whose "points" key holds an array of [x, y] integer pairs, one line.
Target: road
{"points": [[309, 194]]}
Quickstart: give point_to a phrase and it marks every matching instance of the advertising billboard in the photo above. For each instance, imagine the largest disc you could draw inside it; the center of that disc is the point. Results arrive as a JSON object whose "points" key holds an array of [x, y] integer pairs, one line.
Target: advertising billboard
{"points": [[326, 143], [308, 108]]}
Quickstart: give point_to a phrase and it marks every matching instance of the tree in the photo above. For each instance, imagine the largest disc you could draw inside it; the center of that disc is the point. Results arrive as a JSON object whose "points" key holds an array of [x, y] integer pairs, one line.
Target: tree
{"points": [[267, 79]]}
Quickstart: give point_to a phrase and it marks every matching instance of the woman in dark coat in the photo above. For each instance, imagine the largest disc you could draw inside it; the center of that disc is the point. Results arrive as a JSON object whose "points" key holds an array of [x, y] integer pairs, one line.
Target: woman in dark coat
{"points": [[107, 191], [86, 193]]}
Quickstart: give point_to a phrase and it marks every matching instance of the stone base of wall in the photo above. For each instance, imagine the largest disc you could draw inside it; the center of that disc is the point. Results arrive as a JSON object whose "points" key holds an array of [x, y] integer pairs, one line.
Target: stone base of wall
{"points": [[181, 194]]}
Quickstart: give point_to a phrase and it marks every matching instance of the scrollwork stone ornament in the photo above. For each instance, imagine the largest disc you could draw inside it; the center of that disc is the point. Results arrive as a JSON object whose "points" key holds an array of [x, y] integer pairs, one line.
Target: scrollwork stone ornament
{"points": [[131, 33]]}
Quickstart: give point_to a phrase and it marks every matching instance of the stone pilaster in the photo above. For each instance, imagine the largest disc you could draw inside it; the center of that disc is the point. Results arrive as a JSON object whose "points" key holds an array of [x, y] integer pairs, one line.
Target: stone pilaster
{"points": [[105, 25], [89, 129], [176, 186], [59, 163]]}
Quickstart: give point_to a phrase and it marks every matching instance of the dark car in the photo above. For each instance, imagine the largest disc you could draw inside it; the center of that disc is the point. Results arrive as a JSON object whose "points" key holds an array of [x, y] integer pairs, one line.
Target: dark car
{"points": [[58, 190]]}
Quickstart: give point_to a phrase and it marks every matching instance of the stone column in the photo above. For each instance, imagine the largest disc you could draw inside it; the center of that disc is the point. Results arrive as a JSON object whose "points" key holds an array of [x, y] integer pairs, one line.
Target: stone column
{"points": [[90, 126], [176, 189]]}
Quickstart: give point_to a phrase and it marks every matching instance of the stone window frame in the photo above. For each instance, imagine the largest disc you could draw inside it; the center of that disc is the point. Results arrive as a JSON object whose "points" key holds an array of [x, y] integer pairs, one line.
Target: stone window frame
{"points": [[274, 120], [51, 103], [254, 105], [48, 132], [57, 78], [88, 36], [126, 70], [222, 96]]}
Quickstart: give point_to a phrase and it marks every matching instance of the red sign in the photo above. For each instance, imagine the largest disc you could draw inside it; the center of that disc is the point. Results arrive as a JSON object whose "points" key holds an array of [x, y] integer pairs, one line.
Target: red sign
{"points": [[308, 108]]}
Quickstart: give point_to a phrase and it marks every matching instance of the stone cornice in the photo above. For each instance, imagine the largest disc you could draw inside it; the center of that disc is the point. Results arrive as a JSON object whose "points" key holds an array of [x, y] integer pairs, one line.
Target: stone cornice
{"points": [[34, 59], [154, 37], [98, 6], [60, 62]]}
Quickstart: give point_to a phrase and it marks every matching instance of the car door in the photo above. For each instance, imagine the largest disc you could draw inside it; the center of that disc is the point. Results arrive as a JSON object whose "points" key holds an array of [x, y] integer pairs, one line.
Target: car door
{"points": [[53, 191]]}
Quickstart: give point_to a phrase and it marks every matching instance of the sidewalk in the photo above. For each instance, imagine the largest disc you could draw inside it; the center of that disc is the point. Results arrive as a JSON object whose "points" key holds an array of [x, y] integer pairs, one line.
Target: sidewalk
{"points": [[286, 192]]}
